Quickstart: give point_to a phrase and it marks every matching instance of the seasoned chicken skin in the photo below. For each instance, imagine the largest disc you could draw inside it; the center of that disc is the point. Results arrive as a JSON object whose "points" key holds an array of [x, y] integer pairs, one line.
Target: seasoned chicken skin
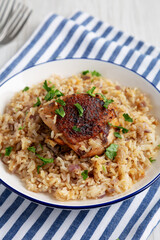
{"points": [[94, 133]]}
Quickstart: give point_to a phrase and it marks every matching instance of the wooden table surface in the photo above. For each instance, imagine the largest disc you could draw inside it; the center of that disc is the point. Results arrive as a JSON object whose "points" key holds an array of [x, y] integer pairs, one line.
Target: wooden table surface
{"points": [[140, 18]]}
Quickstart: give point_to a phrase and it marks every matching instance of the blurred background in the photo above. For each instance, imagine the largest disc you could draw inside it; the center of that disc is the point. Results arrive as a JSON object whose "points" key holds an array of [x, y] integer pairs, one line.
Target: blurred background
{"points": [[140, 18]]}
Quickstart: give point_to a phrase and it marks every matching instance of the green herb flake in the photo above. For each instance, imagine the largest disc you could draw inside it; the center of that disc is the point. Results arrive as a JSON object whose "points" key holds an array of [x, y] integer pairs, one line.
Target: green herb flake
{"points": [[21, 128], [80, 109], [77, 92], [90, 92], [103, 97], [96, 156], [95, 73], [26, 112], [25, 89], [60, 112], [32, 149], [39, 166], [107, 102], [76, 129], [85, 72], [45, 86], [60, 101], [117, 134], [158, 145], [45, 160], [127, 117], [50, 95], [38, 103], [111, 151], [57, 93], [124, 130], [152, 160], [104, 168], [84, 174], [16, 110], [8, 151]]}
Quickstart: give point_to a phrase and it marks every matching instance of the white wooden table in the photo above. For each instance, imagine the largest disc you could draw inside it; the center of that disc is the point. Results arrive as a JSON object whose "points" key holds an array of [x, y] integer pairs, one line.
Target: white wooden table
{"points": [[140, 18]]}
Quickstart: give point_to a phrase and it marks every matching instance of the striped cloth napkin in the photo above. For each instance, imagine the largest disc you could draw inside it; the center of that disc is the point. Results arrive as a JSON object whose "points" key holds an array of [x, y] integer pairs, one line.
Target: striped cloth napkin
{"points": [[82, 36]]}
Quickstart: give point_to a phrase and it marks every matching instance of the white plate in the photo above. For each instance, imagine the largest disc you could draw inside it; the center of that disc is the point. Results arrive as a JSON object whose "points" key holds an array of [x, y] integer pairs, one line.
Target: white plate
{"points": [[66, 68]]}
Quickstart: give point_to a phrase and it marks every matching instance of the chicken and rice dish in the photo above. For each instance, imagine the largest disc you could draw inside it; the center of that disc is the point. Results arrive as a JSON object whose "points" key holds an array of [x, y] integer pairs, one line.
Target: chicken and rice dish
{"points": [[79, 137]]}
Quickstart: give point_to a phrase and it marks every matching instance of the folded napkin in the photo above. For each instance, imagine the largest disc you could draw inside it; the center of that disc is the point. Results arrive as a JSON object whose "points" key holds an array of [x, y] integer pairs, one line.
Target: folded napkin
{"points": [[82, 36]]}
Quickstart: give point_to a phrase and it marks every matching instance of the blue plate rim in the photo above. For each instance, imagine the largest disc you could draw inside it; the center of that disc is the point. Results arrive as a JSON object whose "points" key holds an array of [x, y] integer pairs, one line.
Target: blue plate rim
{"points": [[93, 205]]}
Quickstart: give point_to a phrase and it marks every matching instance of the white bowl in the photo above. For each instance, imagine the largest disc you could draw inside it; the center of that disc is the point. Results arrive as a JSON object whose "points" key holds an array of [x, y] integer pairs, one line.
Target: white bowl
{"points": [[68, 67]]}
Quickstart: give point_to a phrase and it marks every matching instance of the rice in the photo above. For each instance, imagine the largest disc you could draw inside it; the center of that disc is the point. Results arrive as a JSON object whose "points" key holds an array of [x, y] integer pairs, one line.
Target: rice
{"points": [[21, 128]]}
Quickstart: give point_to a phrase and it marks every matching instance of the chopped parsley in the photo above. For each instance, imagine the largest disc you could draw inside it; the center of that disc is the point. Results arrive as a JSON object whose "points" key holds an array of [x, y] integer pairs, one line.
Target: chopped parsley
{"points": [[60, 101], [127, 117], [32, 149], [96, 156], [107, 102], [8, 151], [104, 168], [50, 95], [38, 103], [76, 129], [124, 130], [60, 112], [90, 92], [21, 128], [84, 174], [117, 134], [85, 72], [111, 151], [152, 160], [158, 145], [25, 89], [45, 86], [95, 73], [80, 109], [45, 161], [57, 93]]}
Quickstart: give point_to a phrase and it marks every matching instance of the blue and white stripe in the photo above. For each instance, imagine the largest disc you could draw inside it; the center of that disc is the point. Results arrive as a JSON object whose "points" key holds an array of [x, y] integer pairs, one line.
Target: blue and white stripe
{"points": [[82, 36]]}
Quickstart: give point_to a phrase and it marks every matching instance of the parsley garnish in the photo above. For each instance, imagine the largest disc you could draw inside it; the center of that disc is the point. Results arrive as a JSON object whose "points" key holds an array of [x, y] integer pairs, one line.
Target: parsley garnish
{"points": [[58, 93], [60, 112], [60, 101], [21, 128], [45, 86], [49, 96], [38, 103], [111, 151], [45, 161], [80, 109], [85, 72], [32, 149], [104, 168], [107, 102], [8, 150], [90, 92], [96, 156], [158, 145], [124, 130], [84, 174], [127, 117], [95, 73], [25, 89], [152, 160], [76, 129], [117, 134]]}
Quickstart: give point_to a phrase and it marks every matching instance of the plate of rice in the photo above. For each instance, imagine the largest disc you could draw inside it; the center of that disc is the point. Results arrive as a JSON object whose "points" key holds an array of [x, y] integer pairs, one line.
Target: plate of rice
{"points": [[79, 133]]}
